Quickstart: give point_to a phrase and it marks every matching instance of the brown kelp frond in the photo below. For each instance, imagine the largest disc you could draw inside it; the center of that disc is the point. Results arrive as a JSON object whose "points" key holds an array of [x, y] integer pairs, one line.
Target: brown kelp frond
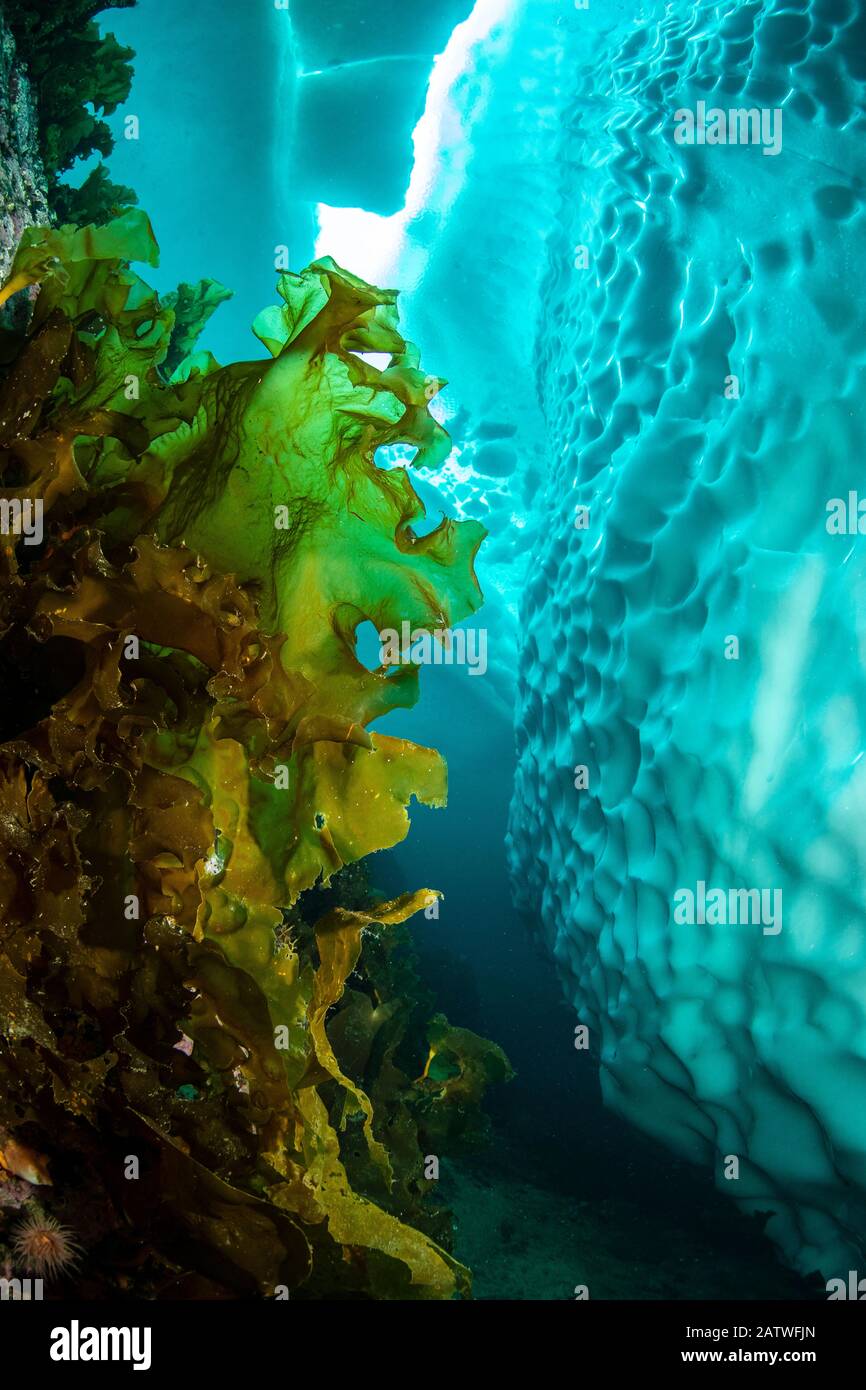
{"points": [[203, 1022]]}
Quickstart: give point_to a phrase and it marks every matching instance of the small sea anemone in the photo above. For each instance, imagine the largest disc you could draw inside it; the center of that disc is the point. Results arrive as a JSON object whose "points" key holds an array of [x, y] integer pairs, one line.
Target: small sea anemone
{"points": [[44, 1246]]}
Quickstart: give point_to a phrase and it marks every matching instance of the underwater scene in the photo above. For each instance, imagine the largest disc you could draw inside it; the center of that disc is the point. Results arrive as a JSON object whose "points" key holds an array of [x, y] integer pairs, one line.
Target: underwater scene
{"points": [[432, 641]]}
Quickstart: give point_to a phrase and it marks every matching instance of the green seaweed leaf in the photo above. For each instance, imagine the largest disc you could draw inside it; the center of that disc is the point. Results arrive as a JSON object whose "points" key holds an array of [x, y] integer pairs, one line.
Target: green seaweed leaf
{"points": [[214, 537]]}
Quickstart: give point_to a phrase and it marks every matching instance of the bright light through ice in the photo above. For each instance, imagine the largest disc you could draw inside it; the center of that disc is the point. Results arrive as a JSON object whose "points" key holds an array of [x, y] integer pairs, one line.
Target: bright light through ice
{"points": [[379, 360], [373, 246]]}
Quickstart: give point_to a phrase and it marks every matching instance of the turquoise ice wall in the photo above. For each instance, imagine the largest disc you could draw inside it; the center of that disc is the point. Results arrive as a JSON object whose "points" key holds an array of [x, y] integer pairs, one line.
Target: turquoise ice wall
{"points": [[694, 639]]}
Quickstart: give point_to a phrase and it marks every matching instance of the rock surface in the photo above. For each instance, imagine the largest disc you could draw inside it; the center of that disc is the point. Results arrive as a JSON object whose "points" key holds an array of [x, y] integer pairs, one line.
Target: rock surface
{"points": [[22, 182]]}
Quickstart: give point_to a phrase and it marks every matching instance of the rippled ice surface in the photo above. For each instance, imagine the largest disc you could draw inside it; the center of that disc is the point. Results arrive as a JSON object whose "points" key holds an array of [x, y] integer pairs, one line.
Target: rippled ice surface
{"points": [[695, 641]]}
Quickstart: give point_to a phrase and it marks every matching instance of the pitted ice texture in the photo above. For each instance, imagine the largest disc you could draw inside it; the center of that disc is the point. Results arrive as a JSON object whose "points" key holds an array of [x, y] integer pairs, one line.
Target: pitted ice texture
{"points": [[707, 520]]}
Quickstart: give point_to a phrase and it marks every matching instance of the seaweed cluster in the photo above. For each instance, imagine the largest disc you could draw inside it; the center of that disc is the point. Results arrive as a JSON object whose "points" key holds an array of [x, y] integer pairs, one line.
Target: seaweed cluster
{"points": [[209, 1022], [78, 76]]}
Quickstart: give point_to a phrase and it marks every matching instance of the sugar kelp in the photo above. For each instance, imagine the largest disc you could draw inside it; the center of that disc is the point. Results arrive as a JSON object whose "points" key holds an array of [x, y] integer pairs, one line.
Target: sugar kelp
{"points": [[186, 765]]}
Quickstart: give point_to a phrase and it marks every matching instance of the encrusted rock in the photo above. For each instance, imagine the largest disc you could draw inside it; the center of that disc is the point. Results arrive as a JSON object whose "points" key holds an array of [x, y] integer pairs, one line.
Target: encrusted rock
{"points": [[23, 198]]}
